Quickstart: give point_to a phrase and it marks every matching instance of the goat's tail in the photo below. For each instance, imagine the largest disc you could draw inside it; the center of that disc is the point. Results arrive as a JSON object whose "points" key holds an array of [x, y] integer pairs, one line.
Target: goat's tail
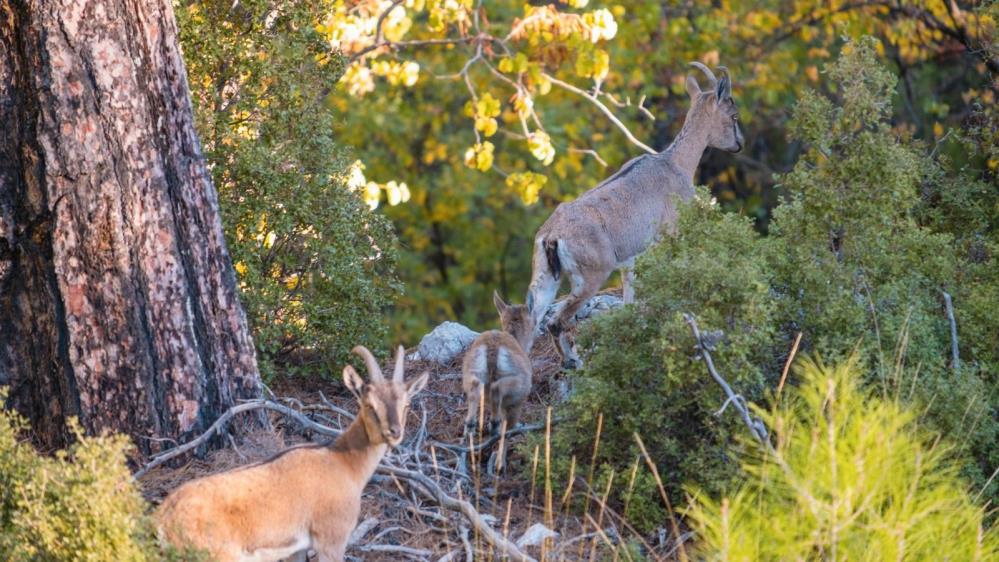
{"points": [[507, 390], [551, 254], [546, 269]]}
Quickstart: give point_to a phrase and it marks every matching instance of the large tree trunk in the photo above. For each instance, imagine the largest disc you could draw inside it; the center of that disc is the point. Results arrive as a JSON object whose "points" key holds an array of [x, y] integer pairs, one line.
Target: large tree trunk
{"points": [[118, 303]]}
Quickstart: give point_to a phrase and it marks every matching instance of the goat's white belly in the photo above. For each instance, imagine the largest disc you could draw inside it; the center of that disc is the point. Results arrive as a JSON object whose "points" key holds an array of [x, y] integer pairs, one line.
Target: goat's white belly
{"points": [[301, 543]]}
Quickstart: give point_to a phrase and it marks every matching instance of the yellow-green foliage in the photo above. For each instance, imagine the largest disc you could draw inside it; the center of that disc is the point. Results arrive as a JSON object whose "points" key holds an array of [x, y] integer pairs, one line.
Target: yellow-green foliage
{"points": [[853, 477], [79, 505]]}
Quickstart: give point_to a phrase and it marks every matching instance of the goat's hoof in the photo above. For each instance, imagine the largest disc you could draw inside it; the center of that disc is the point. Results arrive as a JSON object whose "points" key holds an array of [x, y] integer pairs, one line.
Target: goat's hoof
{"points": [[571, 364]]}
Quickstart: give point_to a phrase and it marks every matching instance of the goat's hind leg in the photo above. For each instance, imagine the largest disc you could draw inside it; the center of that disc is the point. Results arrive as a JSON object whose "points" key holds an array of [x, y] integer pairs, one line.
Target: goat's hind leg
{"points": [[583, 288], [544, 286]]}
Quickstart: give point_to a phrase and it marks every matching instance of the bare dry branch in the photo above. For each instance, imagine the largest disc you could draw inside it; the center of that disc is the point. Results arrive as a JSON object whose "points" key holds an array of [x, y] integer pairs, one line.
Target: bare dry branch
{"points": [[756, 426], [955, 352], [495, 539], [603, 108]]}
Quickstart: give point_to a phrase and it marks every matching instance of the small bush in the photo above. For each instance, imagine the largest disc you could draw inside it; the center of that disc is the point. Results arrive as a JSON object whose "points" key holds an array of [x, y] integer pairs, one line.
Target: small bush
{"points": [[640, 371], [79, 505], [853, 478]]}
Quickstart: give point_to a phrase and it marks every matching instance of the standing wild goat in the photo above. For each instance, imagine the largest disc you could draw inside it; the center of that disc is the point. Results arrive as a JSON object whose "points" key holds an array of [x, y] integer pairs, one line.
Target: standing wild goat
{"points": [[606, 227], [305, 497], [496, 371]]}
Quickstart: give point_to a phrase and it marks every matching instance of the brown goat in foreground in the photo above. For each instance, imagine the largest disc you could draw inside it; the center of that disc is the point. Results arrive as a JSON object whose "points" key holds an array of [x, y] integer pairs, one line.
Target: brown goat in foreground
{"points": [[305, 497], [496, 370]]}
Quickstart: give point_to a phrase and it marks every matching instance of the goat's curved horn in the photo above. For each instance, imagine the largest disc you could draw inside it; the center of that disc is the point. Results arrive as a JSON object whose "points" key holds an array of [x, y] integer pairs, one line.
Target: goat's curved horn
{"points": [[374, 371], [707, 72], [399, 357]]}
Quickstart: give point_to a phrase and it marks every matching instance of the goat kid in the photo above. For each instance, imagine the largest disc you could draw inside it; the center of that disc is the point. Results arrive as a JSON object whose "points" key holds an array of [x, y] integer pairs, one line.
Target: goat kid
{"points": [[608, 226], [305, 497], [496, 370]]}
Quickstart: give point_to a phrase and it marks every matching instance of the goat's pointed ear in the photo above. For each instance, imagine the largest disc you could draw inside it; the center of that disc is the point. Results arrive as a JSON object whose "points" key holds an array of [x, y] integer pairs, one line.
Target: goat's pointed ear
{"points": [[353, 382], [414, 386], [498, 302], [724, 89], [693, 89], [530, 303]]}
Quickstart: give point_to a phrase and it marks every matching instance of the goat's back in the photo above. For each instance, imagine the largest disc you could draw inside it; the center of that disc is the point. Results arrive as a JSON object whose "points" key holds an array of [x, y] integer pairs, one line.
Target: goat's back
{"points": [[626, 211]]}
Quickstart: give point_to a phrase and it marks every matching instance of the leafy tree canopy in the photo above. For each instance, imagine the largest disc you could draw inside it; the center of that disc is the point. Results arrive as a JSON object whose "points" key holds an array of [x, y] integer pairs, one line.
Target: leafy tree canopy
{"points": [[490, 113]]}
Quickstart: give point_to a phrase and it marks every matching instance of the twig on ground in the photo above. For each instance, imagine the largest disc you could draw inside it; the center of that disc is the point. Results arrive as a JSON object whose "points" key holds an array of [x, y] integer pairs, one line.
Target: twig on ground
{"points": [[361, 530], [492, 440], [462, 506], [469, 555], [395, 549], [449, 557], [331, 406]]}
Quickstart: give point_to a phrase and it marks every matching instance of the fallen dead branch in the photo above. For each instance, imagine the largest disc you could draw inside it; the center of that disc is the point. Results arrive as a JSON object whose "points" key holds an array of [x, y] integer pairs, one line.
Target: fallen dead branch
{"points": [[491, 441], [473, 516]]}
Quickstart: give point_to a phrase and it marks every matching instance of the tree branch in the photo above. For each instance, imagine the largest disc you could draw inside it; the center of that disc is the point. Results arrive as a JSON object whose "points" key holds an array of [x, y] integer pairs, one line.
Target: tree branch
{"points": [[756, 426], [497, 540], [603, 108], [955, 361]]}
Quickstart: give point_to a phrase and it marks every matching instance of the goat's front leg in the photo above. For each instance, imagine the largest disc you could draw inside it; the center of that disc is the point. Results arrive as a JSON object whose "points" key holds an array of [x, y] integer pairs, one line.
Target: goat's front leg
{"points": [[566, 319]]}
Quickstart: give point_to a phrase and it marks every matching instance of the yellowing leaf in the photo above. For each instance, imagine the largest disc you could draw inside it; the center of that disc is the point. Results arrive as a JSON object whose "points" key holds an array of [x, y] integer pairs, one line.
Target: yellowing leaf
{"points": [[526, 185], [487, 125], [480, 156], [540, 145], [372, 194]]}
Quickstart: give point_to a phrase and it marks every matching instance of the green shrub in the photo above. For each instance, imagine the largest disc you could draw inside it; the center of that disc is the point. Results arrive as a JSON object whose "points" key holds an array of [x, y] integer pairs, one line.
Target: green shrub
{"points": [[316, 266], [853, 477], [79, 505], [873, 232], [862, 253], [639, 365]]}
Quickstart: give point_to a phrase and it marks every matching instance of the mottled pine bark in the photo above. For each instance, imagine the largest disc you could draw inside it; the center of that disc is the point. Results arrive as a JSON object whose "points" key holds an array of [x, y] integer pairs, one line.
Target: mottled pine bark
{"points": [[118, 302]]}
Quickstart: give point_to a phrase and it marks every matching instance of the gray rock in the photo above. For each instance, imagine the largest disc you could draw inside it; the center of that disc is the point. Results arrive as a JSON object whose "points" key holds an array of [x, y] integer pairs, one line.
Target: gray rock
{"points": [[535, 535], [593, 307], [450, 339], [444, 343]]}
